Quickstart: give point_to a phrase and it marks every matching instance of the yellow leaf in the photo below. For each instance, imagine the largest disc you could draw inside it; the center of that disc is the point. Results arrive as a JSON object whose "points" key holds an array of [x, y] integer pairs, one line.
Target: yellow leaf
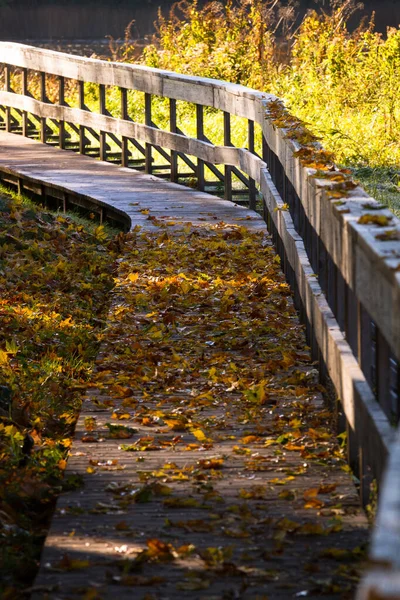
{"points": [[100, 234], [3, 358], [310, 493], [185, 286], [199, 435], [249, 439], [314, 503]]}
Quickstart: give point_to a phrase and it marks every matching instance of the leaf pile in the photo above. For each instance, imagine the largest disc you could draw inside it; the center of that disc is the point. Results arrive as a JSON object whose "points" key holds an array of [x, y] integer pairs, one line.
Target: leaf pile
{"points": [[233, 481], [54, 281]]}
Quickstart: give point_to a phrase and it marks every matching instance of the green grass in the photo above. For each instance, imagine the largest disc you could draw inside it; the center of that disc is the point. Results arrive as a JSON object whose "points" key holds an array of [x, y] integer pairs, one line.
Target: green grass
{"points": [[382, 183]]}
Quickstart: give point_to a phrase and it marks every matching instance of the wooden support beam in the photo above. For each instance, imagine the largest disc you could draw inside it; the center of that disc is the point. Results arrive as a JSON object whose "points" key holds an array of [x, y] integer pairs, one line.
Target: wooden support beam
{"points": [[200, 136], [148, 121], [7, 88], [227, 168], [125, 116], [252, 183], [43, 98], [103, 111], [173, 129], [25, 121], [61, 102], [82, 106]]}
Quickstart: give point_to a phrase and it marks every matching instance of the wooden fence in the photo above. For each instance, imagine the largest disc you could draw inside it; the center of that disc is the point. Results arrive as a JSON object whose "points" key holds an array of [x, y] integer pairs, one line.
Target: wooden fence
{"points": [[339, 249]]}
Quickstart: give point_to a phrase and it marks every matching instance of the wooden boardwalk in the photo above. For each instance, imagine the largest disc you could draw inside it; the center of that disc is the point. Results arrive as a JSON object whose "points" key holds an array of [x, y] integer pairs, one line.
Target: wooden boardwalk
{"points": [[219, 511], [63, 172]]}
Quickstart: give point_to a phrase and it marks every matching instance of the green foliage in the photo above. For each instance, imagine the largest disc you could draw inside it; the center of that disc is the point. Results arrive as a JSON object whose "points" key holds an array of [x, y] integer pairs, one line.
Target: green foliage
{"points": [[346, 86], [343, 85], [228, 41]]}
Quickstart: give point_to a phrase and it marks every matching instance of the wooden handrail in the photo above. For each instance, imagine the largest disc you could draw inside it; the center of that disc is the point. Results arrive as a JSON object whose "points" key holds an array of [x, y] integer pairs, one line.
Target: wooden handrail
{"points": [[233, 98], [343, 267]]}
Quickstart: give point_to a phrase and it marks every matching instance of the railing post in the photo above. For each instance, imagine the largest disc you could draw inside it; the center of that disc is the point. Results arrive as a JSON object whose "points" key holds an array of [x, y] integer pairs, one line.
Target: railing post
{"points": [[332, 285], [147, 119], [7, 88], [351, 328], [124, 116], [81, 94], [25, 93], [266, 154], [61, 102], [173, 129], [252, 183], [227, 168], [200, 136], [383, 375], [365, 476], [340, 300], [43, 98], [103, 111], [365, 342]]}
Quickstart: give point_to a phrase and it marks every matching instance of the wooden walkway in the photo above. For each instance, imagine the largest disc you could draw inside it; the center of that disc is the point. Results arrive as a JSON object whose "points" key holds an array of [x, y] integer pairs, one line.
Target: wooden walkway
{"points": [[226, 509], [80, 178]]}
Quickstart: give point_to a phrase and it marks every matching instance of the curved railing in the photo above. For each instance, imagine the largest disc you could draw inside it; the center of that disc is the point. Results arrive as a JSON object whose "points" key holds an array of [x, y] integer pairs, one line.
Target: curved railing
{"points": [[339, 249]]}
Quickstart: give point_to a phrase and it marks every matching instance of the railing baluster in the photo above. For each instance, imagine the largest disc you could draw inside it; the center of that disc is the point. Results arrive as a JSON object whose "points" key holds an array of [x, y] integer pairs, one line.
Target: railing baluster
{"points": [[365, 355], [383, 374], [81, 95], [7, 87], [43, 98], [252, 183], [25, 93], [61, 102], [340, 300], [351, 328], [173, 129], [124, 115], [103, 111], [332, 285], [227, 168], [148, 121], [200, 136]]}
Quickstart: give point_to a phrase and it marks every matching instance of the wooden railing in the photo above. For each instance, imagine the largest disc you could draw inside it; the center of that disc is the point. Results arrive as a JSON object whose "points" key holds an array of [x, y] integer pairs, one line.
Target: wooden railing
{"points": [[339, 249]]}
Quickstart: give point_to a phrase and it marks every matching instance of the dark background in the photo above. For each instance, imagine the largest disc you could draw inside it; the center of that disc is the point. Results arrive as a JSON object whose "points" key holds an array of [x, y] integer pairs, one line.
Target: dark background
{"points": [[94, 19]]}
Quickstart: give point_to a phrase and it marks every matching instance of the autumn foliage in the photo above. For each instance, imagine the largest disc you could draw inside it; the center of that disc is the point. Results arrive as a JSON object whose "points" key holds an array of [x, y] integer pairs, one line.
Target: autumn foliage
{"points": [[54, 279]]}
